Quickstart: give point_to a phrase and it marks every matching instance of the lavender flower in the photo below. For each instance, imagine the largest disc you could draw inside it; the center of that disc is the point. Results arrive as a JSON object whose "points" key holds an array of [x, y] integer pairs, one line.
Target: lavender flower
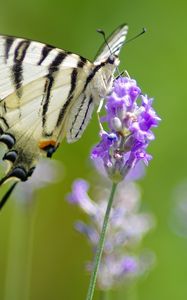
{"points": [[126, 230], [122, 269], [130, 124]]}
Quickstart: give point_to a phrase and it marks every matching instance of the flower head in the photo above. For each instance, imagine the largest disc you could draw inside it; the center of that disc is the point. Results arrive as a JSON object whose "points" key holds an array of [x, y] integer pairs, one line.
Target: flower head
{"points": [[130, 118]]}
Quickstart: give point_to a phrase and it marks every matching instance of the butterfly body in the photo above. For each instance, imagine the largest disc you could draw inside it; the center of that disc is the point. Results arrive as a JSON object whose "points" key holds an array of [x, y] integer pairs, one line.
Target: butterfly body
{"points": [[47, 94]]}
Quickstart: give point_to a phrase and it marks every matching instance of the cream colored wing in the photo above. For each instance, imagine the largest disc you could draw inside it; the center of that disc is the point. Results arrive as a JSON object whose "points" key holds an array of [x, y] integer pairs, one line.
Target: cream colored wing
{"points": [[114, 44], [38, 86]]}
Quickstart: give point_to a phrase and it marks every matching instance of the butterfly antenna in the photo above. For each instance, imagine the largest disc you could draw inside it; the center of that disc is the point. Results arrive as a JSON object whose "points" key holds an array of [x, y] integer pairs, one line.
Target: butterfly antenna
{"points": [[144, 30], [7, 195], [105, 40]]}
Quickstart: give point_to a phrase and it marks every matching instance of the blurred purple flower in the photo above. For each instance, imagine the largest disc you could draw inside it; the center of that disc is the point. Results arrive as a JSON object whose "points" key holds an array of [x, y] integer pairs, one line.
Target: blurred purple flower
{"points": [[79, 196], [126, 230], [130, 125], [114, 270]]}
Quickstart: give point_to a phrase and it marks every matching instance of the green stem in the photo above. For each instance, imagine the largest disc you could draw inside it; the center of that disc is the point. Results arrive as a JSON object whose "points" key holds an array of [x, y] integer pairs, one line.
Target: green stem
{"points": [[100, 246]]}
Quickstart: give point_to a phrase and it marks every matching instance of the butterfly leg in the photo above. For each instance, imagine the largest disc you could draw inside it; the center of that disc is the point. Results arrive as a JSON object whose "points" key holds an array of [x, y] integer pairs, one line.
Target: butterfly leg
{"points": [[7, 195], [121, 73], [127, 74]]}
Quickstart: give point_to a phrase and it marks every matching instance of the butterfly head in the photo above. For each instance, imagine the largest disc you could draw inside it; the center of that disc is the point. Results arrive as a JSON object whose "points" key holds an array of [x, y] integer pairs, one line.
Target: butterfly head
{"points": [[113, 60]]}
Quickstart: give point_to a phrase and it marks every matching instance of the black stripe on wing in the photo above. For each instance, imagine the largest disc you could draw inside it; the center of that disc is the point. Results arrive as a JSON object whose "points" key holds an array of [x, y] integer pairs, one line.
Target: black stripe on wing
{"points": [[74, 73], [50, 77], [17, 69], [5, 123], [69, 98], [82, 62], [77, 114], [8, 43], [45, 51], [92, 74], [85, 116]]}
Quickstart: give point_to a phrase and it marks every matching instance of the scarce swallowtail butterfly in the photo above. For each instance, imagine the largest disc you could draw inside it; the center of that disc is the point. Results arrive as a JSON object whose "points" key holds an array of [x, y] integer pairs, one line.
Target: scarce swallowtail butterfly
{"points": [[47, 94]]}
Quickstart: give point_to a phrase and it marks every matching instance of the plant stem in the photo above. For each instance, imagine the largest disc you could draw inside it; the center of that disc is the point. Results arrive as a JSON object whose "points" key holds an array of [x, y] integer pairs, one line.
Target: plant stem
{"points": [[100, 246]]}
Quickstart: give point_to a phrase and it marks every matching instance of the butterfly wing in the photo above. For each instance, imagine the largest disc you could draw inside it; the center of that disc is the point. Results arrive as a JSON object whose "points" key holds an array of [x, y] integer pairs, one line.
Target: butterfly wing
{"points": [[79, 117], [114, 44], [38, 86], [47, 93], [99, 82]]}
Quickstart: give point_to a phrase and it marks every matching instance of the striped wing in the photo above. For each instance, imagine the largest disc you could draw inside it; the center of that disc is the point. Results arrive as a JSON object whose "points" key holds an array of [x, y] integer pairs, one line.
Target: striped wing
{"points": [[82, 110], [79, 117], [47, 94], [23, 61], [38, 86], [114, 44]]}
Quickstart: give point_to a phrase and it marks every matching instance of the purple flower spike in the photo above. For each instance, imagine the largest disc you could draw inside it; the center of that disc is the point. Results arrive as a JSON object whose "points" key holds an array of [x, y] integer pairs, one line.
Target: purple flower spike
{"points": [[130, 118], [126, 230], [80, 196]]}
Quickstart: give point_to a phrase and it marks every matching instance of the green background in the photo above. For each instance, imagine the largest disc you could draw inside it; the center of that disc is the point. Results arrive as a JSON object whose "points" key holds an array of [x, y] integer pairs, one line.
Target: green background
{"points": [[158, 61]]}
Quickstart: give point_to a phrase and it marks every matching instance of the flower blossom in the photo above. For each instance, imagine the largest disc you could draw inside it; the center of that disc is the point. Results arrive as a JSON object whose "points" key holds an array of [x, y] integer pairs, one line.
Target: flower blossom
{"points": [[130, 118], [127, 227]]}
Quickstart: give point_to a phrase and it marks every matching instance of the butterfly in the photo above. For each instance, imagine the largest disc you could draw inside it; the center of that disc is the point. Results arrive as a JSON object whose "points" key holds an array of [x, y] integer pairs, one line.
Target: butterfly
{"points": [[47, 94]]}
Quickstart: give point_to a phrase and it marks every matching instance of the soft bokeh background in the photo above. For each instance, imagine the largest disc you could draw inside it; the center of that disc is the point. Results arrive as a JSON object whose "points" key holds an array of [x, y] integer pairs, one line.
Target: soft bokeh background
{"points": [[158, 61]]}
